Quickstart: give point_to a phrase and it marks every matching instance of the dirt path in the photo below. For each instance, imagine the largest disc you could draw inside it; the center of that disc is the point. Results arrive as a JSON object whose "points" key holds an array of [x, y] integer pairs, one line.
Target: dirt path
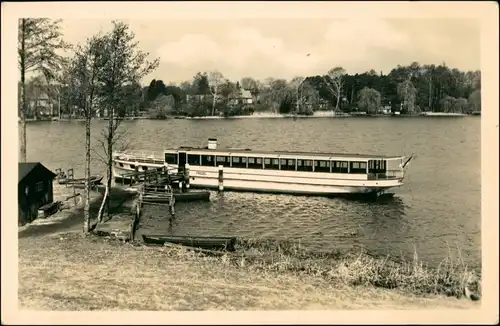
{"points": [[72, 219]]}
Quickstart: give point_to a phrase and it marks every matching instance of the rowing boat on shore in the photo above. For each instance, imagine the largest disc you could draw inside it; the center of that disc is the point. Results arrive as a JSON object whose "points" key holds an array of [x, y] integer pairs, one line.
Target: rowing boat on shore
{"points": [[211, 243]]}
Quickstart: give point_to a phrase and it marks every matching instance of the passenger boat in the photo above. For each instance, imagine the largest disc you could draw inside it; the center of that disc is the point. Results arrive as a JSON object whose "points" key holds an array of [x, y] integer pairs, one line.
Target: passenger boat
{"points": [[244, 169]]}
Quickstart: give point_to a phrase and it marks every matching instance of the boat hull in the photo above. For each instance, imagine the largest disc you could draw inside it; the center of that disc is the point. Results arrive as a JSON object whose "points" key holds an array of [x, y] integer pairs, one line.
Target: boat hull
{"points": [[273, 181]]}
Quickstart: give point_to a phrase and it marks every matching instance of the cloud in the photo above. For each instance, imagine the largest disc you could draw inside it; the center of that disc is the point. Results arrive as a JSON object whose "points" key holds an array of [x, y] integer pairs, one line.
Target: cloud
{"points": [[189, 49], [238, 49], [358, 45], [350, 41]]}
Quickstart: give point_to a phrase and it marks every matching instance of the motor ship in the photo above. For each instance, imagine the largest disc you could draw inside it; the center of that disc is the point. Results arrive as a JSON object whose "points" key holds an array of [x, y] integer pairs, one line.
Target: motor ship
{"points": [[243, 169]]}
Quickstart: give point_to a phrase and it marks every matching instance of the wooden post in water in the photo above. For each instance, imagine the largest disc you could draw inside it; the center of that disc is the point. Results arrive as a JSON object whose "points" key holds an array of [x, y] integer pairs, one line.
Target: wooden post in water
{"points": [[186, 175], [221, 178], [171, 203]]}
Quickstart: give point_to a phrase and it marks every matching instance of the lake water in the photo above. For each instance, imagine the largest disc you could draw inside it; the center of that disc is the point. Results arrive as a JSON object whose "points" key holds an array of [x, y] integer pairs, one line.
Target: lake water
{"points": [[438, 208]]}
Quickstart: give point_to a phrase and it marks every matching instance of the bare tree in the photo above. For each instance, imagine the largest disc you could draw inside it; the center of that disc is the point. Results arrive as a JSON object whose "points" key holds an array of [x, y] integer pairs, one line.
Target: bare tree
{"points": [[296, 83], [38, 42], [121, 63], [215, 80], [84, 71], [335, 83]]}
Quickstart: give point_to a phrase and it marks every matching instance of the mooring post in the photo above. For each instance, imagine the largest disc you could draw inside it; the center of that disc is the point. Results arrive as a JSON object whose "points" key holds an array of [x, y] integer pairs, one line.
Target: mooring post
{"points": [[221, 178], [186, 175], [172, 203]]}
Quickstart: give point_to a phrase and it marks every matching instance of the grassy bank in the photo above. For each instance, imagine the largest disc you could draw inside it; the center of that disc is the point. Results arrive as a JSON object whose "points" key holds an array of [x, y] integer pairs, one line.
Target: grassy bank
{"points": [[73, 272]]}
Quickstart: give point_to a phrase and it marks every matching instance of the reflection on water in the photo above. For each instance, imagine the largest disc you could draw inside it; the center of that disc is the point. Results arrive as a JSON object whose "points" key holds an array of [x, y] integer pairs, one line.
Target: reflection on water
{"points": [[320, 224]]}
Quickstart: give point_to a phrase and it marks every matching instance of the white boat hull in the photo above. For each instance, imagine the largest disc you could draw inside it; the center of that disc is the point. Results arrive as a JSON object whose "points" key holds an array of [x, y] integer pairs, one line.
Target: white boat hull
{"points": [[273, 181]]}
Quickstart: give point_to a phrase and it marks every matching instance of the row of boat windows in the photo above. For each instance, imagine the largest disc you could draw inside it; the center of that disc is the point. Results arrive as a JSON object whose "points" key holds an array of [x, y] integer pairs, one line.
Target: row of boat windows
{"points": [[376, 166]]}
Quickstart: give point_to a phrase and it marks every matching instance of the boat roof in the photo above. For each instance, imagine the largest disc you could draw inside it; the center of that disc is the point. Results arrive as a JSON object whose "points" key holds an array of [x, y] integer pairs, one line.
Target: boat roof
{"points": [[284, 154]]}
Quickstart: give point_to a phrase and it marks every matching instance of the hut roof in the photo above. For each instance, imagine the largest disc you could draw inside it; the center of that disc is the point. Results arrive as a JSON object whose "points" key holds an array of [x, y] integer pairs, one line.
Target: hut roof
{"points": [[27, 168]]}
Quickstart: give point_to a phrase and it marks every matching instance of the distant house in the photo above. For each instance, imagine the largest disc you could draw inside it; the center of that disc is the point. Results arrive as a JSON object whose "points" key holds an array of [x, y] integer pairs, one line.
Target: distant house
{"points": [[242, 96], [246, 96], [34, 190], [385, 110]]}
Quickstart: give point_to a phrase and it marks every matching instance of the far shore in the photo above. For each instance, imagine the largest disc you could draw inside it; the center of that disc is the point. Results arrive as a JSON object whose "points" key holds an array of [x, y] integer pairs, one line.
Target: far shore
{"points": [[268, 115]]}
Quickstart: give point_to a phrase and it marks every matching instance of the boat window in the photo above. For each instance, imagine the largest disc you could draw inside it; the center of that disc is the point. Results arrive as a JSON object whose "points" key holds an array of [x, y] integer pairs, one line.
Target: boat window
{"points": [[222, 160], [339, 166], [193, 159], [376, 166], [144, 168], [305, 165], [321, 166], [239, 162], [255, 163], [120, 164], [358, 167], [271, 164], [170, 158], [287, 164], [208, 160], [132, 166]]}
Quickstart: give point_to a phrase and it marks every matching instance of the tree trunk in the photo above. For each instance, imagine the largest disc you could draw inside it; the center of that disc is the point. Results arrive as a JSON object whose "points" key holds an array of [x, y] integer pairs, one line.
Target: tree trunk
{"points": [[430, 93], [86, 210], [338, 100], [213, 104], [103, 204], [110, 157], [23, 94]]}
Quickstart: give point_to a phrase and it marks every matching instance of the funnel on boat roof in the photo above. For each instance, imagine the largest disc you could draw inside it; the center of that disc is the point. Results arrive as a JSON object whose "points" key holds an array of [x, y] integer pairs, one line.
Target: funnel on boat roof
{"points": [[212, 143]]}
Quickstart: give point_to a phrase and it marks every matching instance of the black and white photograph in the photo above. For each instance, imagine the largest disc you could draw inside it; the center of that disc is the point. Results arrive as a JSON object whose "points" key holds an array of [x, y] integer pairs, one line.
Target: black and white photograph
{"points": [[251, 157]]}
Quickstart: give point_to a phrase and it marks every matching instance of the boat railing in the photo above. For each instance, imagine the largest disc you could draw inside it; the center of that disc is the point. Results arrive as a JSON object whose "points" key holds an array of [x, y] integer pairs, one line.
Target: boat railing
{"points": [[138, 155], [388, 175]]}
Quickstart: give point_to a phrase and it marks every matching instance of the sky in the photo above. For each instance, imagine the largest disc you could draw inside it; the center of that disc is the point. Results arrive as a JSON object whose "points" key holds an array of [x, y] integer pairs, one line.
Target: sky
{"points": [[285, 48]]}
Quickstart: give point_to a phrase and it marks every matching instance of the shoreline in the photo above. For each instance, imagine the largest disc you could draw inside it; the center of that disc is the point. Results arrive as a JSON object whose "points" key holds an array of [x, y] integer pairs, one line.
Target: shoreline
{"points": [[272, 116]]}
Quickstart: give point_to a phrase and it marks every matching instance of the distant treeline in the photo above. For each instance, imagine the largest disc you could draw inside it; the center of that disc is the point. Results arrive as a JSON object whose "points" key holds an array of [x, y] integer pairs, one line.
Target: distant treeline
{"points": [[409, 89]]}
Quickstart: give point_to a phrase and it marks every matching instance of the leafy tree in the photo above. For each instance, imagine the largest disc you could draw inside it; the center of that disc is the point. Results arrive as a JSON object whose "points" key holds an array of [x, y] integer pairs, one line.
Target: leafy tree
{"points": [[177, 93], [407, 93], [369, 100], [200, 84], [39, 40], [185, 87], [475, 100], [156, 87], [461, 105], [227, 89]]}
